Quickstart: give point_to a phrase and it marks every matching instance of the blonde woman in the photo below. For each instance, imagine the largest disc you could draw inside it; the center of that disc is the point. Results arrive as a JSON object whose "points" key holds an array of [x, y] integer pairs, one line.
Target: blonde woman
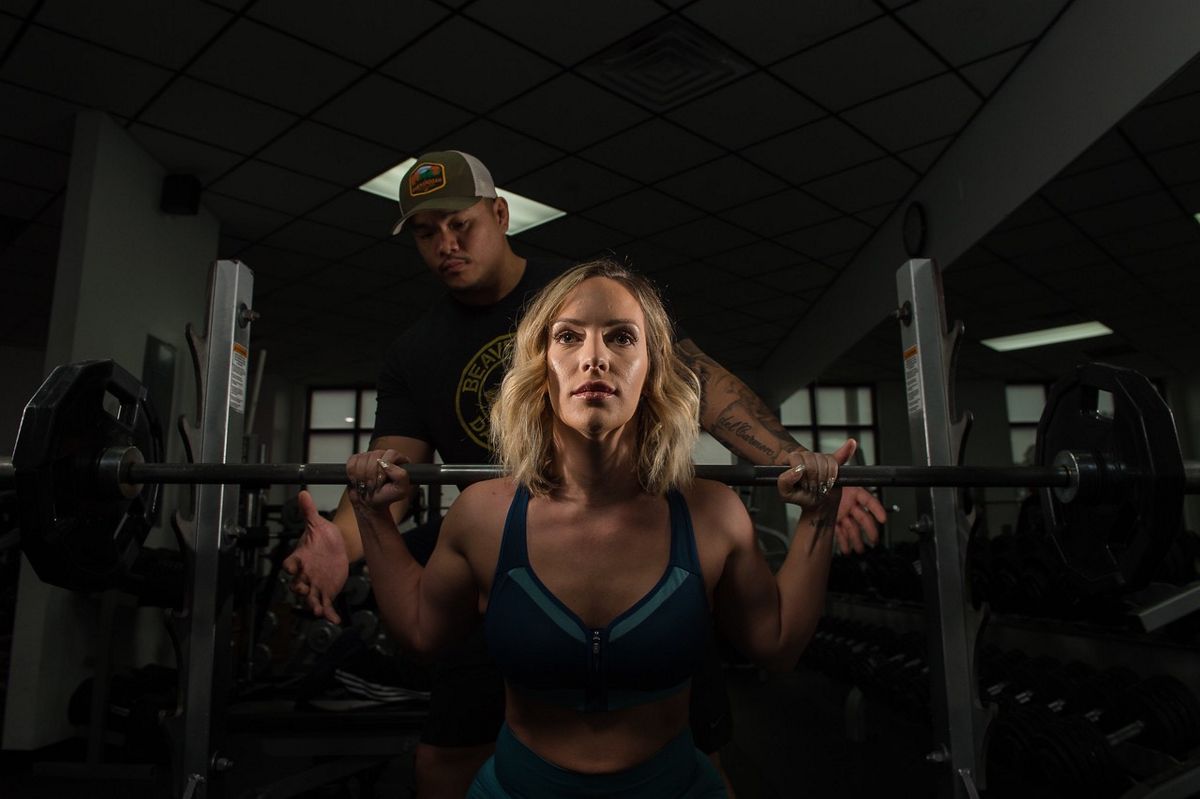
{"points": [[599, 565]]}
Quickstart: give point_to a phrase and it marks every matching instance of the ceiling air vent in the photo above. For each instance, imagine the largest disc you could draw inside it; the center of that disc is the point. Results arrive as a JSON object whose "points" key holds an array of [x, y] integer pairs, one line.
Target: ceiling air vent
{"points": [[666, 64]]}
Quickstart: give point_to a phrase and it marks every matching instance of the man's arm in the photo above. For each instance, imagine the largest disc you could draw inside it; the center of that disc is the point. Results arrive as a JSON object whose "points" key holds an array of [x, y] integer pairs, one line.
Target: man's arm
{"points": [[320, 563], [734, 415]]}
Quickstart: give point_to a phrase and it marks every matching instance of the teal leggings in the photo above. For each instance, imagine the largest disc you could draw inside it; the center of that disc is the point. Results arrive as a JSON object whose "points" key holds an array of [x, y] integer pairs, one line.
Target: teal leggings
{"points": [[678, 771]]}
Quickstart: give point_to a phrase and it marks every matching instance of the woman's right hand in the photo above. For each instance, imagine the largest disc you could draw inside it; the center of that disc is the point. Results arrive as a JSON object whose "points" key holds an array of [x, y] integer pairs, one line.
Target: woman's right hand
{"points": [[377, 480]]}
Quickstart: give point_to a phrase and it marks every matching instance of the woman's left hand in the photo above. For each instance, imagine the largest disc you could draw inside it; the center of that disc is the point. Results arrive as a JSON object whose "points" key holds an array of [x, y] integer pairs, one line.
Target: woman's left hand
{"points": [[811, 482], [377, 480]]}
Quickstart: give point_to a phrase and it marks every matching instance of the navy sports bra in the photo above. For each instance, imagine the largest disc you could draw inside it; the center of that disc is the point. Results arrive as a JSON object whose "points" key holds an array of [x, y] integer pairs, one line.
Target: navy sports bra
{"points": [[646, 653]]}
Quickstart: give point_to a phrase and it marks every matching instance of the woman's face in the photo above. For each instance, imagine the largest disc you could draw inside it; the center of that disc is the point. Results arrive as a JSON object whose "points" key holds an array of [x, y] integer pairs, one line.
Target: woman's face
{"points": [[597, 359]]}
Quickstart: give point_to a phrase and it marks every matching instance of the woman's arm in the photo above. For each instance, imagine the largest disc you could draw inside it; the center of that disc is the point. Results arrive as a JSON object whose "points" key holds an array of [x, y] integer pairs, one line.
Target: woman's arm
{"points": [[425, 608], [772, 617]]}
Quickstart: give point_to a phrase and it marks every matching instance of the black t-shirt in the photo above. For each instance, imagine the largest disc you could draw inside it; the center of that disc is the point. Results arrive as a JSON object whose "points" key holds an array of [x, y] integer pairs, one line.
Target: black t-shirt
{"points": [[438, 375]]}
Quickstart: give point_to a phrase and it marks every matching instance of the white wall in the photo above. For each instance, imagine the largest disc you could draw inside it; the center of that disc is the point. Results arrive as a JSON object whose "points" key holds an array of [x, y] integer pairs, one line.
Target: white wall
{"points": [[126, 270]]}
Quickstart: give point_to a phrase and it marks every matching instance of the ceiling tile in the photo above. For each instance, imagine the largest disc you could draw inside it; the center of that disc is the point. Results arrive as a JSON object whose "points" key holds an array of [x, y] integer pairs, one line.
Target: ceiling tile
{"points": [[30, 165], [73, 70], [755, 259], [568, 31], [35, 117], [649, 258], [367, 33], [574, 238], [1100, 186], [643, 212], [507, 153], [820, 148], [1176, 165], [704, 237], [184, 156], [912, 116], [766, 31], [743, 294], [255, 60], [749, 110], [720, 184], [800, 277], [923, 156], [1040, 236], [169, 34], [276, 188], [871, 60], [1185, 255], [395, 255], [569, 112], [213, 115], [1151, 237], [1076, 254], [1109, 149], [281, 264], [314, 238], [382, 110], [651, 151], [459, 80], [987, 73], [368, 214], [315, 149], [877, 215], [781, 212], [1035, 209], [22, 202], [865, 186], [829, 238], [692, 280], [1126, 214], [1167, 124], [241, 219], [967, 30], [572, 184]]}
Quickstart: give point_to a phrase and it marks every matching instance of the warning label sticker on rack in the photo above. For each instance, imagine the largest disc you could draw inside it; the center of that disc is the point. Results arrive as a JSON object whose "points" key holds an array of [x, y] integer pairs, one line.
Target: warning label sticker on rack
{"points": [[912, 381], [237, 379]]}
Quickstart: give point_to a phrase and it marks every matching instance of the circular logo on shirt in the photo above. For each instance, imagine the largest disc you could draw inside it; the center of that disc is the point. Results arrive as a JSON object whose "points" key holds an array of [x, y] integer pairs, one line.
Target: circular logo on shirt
{"points": [[479, 379]]}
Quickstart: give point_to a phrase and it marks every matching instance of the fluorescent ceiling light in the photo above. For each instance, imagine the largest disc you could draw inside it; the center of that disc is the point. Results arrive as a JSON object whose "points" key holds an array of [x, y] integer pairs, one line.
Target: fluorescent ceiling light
{"points": [[523, 213], [1196, 217], [1052, 335]]}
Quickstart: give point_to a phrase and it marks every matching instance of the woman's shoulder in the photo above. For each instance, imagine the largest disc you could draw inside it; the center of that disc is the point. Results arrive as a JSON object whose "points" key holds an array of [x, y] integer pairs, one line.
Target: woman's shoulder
{"points": [[710, 496], [486, 494]]}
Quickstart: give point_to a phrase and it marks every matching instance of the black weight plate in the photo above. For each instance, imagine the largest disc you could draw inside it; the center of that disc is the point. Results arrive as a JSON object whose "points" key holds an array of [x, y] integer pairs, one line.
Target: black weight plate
{"points": [[1117, 534], [77, 533]]}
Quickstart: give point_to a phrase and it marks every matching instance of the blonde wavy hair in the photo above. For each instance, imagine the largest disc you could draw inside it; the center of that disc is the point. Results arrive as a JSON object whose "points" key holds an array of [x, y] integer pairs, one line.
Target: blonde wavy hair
{"points": [[668, 413]]}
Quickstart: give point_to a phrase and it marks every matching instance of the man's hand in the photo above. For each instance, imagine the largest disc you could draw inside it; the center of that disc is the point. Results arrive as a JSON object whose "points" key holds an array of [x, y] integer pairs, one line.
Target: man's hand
{"points": [[318, 563], [859, 516]]}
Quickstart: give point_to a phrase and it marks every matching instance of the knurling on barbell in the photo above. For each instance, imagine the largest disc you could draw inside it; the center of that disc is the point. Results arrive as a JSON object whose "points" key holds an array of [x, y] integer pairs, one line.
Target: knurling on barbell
{"points": [[88, 476]]}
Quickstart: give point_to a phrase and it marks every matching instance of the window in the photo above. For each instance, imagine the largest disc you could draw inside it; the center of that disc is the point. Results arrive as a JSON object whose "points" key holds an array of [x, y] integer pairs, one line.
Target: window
{"points": [[340, 423], [822, 417]]}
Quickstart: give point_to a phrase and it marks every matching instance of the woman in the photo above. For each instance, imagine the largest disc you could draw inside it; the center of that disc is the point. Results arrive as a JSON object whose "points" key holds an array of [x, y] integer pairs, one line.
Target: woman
{"points": [[599, 565]]}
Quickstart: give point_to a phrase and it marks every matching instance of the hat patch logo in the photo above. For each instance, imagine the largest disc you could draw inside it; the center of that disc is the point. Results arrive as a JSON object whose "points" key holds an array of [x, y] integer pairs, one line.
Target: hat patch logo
{"points": [[426, 178]]}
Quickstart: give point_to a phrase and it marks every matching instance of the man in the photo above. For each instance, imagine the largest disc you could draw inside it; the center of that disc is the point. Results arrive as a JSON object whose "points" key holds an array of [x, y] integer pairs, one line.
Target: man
{"points": [[432, 396]]}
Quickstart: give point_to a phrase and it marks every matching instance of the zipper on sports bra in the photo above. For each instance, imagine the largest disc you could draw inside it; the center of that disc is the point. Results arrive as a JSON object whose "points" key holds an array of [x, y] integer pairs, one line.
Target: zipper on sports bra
{"points": [[595, 699]]}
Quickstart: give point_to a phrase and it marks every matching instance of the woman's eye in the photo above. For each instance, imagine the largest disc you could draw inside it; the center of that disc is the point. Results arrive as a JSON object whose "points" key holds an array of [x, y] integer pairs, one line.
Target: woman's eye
{"points": [[624, 337], [565, 337]]}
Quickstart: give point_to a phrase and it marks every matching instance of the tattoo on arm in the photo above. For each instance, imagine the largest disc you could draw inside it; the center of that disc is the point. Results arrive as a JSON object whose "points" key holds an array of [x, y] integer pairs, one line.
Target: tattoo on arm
{"points": [[744, 424]]}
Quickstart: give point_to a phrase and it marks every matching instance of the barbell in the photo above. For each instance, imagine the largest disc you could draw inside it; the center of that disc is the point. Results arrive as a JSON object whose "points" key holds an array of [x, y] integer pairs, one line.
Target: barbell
{"points": [[87, 468]]}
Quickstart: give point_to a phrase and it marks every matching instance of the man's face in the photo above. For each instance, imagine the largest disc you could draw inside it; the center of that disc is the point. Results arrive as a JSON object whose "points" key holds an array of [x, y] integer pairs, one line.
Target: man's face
{"points": [[465, 249]]}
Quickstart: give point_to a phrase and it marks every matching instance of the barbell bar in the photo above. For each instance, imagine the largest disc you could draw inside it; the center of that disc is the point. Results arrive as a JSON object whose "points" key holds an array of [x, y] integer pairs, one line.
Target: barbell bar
{"points": [[88, 470], [123, 467]]}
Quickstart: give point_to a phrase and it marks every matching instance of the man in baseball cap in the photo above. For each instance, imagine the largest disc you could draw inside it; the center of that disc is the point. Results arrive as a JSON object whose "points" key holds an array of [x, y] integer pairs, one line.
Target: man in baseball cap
{"points": [[447, 180]]}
